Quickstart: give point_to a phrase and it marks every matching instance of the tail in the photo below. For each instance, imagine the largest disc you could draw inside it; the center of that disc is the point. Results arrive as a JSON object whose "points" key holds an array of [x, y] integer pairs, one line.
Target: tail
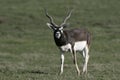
{"points": [[89, 39]]}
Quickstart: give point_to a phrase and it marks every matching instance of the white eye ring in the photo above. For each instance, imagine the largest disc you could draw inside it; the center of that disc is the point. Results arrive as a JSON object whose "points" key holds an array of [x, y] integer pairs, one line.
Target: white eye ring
{"points": [[61, 28]]}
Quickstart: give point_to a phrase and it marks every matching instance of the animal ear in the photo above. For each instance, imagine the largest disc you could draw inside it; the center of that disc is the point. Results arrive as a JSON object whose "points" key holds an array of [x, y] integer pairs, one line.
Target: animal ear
{"points": [[65, 25], [50, 26]]}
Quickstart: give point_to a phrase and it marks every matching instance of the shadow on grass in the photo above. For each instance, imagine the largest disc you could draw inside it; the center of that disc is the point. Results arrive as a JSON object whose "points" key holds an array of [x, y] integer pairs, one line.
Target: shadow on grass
{"points": [[7, 70], [35, 72]]}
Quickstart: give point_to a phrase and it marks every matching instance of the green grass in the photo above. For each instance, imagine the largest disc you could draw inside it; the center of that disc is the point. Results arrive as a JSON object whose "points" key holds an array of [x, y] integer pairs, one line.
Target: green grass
{"points": [[27, 48]]}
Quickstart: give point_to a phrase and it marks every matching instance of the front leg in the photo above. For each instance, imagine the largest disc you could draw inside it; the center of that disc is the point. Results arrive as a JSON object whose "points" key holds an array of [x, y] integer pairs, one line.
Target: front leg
{"points": [[62, 63]]}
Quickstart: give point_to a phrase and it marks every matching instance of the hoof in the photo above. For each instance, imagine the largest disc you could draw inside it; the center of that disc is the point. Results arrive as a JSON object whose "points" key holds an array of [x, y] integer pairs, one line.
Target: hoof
{"points": [[84, 73], [60, 73], [78, 73]]}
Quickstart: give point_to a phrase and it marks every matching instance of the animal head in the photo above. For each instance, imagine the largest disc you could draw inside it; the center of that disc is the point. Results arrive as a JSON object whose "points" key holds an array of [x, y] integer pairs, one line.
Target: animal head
{"points": [[58, 30]]}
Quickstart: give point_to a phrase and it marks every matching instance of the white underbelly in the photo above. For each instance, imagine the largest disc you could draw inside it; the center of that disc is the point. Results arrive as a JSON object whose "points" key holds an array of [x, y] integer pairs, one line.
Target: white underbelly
{"points": [[78, 46]]}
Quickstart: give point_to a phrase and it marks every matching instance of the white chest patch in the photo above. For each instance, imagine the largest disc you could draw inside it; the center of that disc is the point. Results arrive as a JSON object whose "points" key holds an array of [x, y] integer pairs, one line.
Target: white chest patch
{"points": [[80, 45], [66, 47]]}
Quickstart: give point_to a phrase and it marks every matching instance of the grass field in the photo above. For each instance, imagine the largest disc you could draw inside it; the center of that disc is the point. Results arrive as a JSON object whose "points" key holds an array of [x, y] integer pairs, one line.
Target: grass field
{"points": [[27, 48]]}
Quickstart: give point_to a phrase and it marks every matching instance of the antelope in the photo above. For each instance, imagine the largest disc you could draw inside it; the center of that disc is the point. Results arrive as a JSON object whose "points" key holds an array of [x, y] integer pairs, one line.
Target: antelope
{"points": [[72, 40]]}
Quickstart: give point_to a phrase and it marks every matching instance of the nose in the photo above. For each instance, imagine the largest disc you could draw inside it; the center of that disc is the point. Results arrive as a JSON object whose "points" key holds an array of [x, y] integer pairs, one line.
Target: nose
{"points": [[58, 35]]}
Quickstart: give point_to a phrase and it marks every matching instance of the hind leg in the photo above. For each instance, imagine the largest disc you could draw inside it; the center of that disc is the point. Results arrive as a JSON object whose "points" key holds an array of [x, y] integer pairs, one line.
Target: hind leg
{"points": [[75, 62], [86, 59]]}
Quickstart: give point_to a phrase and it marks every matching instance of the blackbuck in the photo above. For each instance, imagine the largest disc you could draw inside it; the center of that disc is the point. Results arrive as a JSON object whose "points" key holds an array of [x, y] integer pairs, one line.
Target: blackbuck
{"points": [[73, 40]]}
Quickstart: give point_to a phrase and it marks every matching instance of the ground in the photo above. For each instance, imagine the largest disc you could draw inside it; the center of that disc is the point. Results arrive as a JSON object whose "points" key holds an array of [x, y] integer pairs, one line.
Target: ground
{"points": [[27, 48]]}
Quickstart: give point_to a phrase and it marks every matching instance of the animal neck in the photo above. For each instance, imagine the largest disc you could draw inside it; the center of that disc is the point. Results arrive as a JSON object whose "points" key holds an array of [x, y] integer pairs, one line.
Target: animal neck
{"points": [[61, 41]]}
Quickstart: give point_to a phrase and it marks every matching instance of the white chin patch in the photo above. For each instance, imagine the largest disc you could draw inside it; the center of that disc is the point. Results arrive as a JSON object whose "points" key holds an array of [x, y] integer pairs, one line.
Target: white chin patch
{"points": [[57, 35]]}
